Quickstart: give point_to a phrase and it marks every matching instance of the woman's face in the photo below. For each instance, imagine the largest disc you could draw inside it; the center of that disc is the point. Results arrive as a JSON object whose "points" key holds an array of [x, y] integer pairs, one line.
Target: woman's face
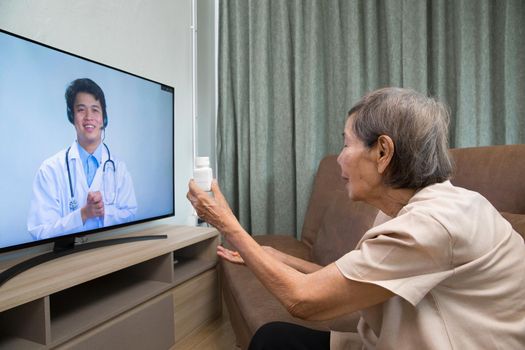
{"points": [[358, 166]]}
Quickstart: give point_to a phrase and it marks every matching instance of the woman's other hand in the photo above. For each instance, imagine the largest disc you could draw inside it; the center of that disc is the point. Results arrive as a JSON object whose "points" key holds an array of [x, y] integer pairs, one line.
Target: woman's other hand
{"points": [[230, 255]]}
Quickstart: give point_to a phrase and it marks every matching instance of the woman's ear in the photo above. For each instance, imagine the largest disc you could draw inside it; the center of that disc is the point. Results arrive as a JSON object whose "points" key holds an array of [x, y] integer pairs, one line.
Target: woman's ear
{"points": [[385, 151]]}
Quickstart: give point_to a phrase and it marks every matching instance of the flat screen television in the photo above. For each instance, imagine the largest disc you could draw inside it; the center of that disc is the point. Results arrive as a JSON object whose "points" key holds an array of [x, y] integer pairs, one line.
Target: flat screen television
{"points": [[85, 147]]}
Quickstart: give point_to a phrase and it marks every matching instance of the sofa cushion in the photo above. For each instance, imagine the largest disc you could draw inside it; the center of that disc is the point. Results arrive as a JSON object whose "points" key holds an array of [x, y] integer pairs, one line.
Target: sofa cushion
{"points": [[343, 225]]}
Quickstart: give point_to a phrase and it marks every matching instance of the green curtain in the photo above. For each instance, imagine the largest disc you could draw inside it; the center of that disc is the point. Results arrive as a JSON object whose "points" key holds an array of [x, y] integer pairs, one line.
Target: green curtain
{"points": [[289, 70]]}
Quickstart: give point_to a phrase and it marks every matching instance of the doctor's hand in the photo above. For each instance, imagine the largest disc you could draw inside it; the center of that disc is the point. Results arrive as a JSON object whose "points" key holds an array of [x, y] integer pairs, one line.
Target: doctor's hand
{"points": [[94, 206], [214, 210]]}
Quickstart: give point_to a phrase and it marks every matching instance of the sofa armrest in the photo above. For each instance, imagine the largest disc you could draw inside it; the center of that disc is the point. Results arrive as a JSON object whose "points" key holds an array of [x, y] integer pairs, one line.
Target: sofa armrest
{"points": [[286, 244]]}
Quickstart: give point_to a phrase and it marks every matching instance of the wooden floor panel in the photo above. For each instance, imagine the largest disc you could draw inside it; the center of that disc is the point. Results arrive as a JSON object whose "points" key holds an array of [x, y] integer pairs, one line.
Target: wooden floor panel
{"points": [[216, 335]]}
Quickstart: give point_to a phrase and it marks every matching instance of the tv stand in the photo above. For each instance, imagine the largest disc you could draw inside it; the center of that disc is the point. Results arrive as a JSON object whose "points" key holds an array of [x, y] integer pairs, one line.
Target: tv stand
{"points": [[65, 247], [146, 294], [65, 243]]}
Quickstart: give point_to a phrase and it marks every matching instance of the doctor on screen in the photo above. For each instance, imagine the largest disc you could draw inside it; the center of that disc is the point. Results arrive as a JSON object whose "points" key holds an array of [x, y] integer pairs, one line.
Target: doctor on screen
{"points": [[85, 186]]}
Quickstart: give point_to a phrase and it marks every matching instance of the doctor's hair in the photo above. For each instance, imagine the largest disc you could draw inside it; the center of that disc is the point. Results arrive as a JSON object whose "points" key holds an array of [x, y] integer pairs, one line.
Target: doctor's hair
{"points": [[418, 126], [88, 86]]}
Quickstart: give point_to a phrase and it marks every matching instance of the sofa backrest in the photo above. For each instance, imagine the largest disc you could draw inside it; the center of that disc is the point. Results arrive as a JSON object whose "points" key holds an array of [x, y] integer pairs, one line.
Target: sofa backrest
{"points": [[334, 224], [498, 173]]}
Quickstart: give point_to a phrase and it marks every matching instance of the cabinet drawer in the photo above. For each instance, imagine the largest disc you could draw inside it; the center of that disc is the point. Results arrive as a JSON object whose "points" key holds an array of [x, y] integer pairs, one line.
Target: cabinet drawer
{"points": [[196, 302]]}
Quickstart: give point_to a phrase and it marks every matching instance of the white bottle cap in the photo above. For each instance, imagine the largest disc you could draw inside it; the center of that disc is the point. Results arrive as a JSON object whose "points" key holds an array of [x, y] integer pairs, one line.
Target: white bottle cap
{"points": [[202, 162]]}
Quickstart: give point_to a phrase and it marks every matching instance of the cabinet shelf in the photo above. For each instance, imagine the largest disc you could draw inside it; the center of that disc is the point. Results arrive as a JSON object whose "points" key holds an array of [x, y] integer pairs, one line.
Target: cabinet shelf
{"points": [[103, 299], [188, 268]]}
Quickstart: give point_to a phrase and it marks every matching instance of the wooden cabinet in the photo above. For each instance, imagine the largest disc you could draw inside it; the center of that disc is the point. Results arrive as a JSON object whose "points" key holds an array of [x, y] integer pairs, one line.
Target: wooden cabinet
{"points": [[136, 295]]}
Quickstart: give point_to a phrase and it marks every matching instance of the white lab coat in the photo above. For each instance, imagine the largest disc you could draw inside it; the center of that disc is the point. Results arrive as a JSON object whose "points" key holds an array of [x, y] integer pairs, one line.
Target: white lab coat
{"points": [[49, 213]]}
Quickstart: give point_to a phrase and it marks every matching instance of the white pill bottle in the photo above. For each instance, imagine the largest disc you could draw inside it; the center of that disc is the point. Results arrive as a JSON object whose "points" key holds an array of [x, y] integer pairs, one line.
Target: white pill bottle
{"points": [[202, 174]]}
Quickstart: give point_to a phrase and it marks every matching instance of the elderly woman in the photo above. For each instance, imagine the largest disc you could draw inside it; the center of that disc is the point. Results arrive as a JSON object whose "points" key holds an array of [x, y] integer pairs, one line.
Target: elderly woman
{"points": [[440, 269]]}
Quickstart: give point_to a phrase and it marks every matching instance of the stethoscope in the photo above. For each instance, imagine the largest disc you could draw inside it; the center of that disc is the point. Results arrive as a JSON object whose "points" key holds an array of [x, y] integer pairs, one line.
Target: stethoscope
{"points": [[109, 196]]}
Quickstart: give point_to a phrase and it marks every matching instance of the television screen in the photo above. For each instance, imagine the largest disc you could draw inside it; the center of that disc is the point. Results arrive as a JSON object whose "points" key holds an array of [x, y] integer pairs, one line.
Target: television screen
{"points": [[84, 147]]}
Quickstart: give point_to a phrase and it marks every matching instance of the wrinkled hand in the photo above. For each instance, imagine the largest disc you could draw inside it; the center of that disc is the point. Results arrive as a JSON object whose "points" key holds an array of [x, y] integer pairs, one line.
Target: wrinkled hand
{"points": [[214, 210], [230, 255]]}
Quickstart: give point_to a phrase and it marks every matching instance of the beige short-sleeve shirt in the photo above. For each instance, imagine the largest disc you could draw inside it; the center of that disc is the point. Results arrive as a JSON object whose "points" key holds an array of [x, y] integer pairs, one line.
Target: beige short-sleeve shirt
{"points": [[457, 269]]}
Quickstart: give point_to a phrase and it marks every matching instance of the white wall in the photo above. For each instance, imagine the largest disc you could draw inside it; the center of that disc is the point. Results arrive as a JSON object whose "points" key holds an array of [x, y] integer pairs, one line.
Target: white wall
{"points": [[206, 80], [148, 38]]}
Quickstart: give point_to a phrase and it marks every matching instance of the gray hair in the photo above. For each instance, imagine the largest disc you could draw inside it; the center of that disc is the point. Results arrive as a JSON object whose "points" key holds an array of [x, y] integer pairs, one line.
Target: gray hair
{"points": [[418, 126]]}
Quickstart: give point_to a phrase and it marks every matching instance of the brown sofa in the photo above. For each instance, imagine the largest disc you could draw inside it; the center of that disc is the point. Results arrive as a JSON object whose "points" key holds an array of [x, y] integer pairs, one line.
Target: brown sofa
{"points": [[334, 224]]}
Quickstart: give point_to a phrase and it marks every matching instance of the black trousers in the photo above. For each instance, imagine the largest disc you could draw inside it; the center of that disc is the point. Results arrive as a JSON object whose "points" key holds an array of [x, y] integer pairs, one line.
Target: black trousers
{"points": [[289, 336]]}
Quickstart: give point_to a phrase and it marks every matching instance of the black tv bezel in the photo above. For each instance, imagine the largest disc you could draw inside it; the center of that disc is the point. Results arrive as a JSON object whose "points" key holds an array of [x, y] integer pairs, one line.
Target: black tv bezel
{"points": [[113, 227]]}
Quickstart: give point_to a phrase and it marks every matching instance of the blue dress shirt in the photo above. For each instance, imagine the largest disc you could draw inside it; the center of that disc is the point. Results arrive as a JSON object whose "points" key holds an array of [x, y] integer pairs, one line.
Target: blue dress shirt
{"points": [[90, 162]]}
